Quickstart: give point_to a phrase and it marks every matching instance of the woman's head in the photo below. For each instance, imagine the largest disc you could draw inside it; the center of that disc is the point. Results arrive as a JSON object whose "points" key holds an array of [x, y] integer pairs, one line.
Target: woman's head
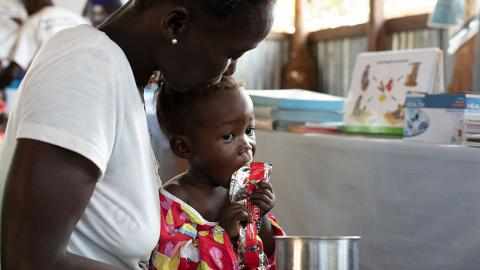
{"points": [[196, 41], [213, 128]]}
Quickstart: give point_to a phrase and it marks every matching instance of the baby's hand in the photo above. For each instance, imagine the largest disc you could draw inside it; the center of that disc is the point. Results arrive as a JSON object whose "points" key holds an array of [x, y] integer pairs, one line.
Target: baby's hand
{"points": [[263, 197], [232, 217]]}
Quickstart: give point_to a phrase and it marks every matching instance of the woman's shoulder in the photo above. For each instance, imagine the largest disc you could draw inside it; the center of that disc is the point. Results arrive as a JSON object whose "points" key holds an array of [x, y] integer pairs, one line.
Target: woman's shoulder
{"points": [[82, 42], [83, 33], [82, 48]]}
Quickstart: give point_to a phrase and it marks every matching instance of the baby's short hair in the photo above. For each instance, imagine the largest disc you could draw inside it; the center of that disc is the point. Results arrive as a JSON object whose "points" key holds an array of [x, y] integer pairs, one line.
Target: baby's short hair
{"points": [[174, 108]]}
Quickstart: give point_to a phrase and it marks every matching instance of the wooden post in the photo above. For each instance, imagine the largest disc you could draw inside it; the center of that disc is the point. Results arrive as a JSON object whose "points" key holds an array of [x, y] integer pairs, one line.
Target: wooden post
{"points": [[376, 27], [463, 69], [470, 8], [300, 70]]}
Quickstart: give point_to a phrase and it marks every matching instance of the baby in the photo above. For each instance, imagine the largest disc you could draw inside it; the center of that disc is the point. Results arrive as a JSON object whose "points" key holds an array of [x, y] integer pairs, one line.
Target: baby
{"points": [[214, 130]]}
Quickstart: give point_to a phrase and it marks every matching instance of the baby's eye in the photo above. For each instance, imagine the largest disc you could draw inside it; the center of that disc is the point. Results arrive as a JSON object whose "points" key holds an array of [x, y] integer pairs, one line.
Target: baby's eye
{"points": [[227, 138], [250, 131]]}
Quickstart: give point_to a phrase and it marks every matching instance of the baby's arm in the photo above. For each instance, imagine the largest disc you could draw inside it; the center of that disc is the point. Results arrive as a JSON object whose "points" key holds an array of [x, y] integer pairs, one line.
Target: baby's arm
{"points": [[233, 215]]}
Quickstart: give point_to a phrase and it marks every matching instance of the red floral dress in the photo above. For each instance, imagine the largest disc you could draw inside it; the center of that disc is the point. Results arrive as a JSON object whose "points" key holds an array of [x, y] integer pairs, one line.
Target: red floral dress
{"points": [[188, 241]]}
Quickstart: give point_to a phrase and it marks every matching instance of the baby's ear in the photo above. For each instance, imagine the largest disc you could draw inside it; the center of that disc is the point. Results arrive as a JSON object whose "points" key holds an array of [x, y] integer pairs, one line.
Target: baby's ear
{"points": [[181, 147]]}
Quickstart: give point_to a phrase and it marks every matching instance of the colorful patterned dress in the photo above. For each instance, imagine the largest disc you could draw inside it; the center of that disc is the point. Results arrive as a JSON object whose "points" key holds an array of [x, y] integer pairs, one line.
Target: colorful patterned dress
{"points": [[189, 242]]}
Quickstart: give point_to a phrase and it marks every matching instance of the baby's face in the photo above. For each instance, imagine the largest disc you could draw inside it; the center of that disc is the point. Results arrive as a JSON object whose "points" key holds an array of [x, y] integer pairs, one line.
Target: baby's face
{"points": [[224, 139]]}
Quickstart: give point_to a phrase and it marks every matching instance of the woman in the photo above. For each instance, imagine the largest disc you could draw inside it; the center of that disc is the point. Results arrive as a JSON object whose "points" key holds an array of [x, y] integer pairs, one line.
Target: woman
{"points": [[78, 135]]}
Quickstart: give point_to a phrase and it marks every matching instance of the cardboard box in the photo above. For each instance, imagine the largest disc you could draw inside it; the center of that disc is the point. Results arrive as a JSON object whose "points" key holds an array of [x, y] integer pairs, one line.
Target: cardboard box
{"points": [[442, 118]]}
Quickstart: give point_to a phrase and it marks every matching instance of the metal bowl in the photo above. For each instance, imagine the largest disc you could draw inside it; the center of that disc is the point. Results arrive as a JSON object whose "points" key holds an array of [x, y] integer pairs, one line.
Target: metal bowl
{"points": [[317, 253]]}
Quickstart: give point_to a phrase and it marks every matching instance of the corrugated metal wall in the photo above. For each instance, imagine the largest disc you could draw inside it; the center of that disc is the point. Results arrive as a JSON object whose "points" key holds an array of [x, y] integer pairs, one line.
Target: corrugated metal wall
{"points": [[417, 39], [262, 67], [336, 58]]}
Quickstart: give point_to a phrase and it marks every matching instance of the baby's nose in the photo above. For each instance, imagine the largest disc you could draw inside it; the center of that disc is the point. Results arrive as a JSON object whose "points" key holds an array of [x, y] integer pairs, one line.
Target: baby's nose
{"points": [[245, 144]]}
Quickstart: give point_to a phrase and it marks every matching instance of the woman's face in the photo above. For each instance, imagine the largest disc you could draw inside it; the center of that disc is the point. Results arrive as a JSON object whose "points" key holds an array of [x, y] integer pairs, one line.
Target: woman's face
{"points": [[210, 47]]}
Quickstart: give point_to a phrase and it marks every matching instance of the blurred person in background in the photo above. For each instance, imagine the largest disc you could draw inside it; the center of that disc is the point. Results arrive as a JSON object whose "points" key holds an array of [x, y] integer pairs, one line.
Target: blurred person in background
{"points": [[98, 10], [45, 20], [12, 15]]}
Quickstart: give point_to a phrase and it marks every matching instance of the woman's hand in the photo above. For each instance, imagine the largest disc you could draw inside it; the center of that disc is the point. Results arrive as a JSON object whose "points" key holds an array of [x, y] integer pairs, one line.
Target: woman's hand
{"points": [[263, 197], [233, 216]]}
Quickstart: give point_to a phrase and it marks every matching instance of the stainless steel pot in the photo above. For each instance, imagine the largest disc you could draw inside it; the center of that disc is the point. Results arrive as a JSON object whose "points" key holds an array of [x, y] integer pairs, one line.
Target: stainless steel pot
{"points": [[317, 253]]}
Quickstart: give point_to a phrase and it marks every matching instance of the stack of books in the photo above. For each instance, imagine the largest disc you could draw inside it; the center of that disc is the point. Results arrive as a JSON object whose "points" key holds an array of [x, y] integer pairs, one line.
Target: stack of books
{"points": [[296, 110], [472, 129]]}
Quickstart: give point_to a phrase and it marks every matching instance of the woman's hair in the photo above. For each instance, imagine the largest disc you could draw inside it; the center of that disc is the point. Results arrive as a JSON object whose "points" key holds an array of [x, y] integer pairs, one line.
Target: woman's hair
{"points": [[175, 109]]}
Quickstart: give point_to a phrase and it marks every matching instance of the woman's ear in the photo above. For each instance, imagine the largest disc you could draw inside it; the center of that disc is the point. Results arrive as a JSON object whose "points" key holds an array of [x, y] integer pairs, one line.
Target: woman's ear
{"points": [[181, 147], [177, 22]]}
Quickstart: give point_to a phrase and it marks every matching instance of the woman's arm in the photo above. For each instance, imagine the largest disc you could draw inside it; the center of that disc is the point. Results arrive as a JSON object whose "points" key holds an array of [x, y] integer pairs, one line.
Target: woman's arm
{"points": [[46, 193]]}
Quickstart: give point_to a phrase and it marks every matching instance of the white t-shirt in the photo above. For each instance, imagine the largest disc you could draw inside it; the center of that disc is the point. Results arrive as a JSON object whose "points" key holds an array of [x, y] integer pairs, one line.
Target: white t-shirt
{"points": [[40, 27], [80, 94]]}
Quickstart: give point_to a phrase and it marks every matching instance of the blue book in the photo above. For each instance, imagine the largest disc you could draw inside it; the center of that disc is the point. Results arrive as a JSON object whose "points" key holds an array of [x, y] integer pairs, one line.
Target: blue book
{"points": [[306, 116], [294, 99], [465, 101]]}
